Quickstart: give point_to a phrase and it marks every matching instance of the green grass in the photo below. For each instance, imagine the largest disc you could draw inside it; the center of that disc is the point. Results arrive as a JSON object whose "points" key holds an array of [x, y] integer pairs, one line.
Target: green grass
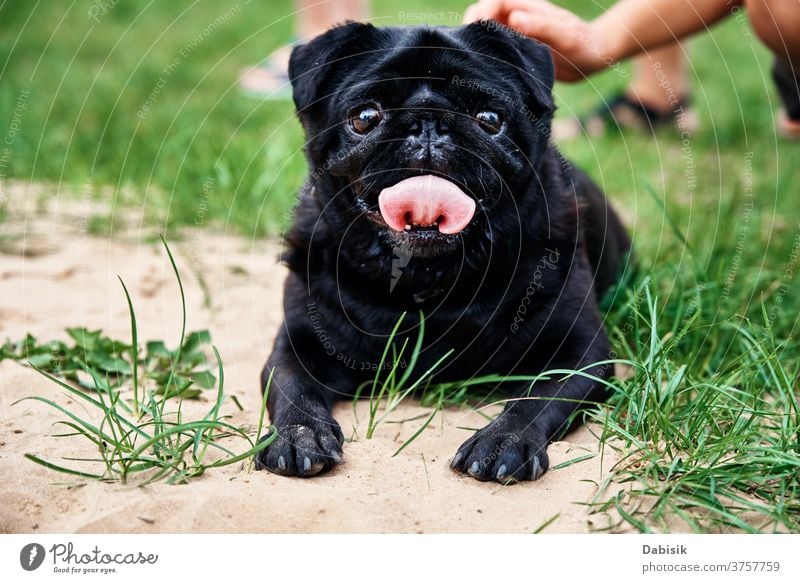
{"points": [[708, 422]]}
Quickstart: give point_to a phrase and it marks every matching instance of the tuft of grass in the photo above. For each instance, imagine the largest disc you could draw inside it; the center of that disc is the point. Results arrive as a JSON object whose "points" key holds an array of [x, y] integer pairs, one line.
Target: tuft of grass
{"points": [[393, 389], [143, 438], [708, 426]]}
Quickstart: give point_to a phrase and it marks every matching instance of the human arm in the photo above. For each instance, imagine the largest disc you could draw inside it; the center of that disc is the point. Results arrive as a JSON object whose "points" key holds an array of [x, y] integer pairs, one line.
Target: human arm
{"points": [[629, 27]]}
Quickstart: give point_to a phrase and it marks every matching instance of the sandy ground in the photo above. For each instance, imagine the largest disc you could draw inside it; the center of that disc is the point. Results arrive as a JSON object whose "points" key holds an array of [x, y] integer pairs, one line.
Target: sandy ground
{"points": [[53, 275]]}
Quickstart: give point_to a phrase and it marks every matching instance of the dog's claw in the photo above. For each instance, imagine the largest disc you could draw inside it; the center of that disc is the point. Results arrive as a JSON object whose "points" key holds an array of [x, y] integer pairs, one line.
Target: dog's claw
{"points": [[302, 450], [474, 469], [537, 468], [504, 477]]}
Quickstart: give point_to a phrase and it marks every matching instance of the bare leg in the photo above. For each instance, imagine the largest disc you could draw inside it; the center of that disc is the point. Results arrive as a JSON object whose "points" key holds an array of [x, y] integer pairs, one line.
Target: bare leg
{"points": [[777, 24], [659, 78], [656, 96], [312, 17], [316, 16], [350, 10]]}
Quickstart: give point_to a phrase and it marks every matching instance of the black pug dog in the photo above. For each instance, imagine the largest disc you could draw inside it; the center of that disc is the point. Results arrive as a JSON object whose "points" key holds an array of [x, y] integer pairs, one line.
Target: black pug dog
{"points": [[434, 191]]}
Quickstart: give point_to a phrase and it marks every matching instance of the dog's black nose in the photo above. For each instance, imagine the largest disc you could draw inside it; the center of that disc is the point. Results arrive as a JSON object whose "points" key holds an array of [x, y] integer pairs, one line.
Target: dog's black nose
{"points": [[428, 133], [429, 125], [428, 144]]}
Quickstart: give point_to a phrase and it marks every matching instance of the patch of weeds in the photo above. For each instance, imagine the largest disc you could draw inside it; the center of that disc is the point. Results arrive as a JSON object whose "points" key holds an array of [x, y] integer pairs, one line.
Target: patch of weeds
{"points": [[139, 436], [94, 361]]}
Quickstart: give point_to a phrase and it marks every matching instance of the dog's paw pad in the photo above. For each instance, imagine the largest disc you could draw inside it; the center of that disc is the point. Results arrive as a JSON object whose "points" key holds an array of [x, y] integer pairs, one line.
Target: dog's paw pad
{"points": [[501, 456], [300, 450]]}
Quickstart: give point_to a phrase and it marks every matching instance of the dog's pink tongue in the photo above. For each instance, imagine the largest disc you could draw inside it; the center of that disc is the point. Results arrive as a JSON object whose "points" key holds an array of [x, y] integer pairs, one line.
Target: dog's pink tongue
{"points": [[425, 200]]}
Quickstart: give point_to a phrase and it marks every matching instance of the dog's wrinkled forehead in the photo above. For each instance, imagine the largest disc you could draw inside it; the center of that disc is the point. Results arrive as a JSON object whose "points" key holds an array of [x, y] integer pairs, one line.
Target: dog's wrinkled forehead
{"points": [[357, 54]]}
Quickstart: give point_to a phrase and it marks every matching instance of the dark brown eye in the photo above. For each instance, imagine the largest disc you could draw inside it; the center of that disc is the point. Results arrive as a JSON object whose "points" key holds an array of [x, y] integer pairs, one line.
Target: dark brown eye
{"points": [[365, 120], [490, 121]]}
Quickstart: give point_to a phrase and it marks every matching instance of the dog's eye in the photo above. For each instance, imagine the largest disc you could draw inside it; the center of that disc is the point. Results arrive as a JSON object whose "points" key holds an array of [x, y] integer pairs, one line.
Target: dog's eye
{"points": [[365, 120], [490, 121]]}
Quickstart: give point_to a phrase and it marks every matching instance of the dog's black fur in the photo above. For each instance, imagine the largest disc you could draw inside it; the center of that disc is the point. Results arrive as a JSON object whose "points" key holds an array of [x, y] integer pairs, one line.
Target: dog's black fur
{"points": [[515, 293]]}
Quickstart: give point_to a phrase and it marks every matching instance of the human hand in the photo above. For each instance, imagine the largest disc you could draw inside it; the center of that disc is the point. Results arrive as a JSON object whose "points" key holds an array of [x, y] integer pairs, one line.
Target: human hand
{"points": [[579, 47]]}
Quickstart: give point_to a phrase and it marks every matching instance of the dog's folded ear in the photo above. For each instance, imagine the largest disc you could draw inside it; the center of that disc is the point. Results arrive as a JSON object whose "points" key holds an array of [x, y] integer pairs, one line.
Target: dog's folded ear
{"points": [[539, 71], [312, 66], [532, 59]]}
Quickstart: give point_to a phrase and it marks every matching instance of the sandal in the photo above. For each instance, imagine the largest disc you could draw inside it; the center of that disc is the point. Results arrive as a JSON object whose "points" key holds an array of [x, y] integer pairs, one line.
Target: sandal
{"points": [[624, 113], [787, 121]]}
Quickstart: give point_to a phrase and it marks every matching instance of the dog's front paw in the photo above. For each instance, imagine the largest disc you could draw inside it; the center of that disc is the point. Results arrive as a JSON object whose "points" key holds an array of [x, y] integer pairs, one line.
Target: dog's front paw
{"points": [[302, 450], [497, 453]]}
